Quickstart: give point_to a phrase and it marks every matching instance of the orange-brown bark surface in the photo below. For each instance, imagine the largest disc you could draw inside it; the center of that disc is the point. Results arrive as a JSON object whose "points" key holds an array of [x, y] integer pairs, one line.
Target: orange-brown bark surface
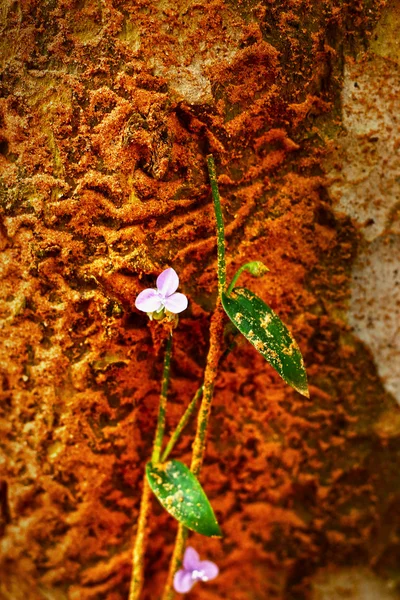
{"points": [[108, 110]]}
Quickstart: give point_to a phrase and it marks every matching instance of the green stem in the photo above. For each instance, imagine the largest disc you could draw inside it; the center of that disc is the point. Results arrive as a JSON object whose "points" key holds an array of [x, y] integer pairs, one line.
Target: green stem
{"points": [[220, 224], [210, 374], [199, 445], [139, 548], [176, 561], [181, 425], [190, 409], [255, 267], [235, 278], [159, 435]]}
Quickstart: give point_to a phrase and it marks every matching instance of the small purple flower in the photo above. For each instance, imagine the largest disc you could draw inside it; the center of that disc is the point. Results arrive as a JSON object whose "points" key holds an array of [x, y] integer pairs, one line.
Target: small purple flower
{"points": [[193, 570], [164, 297]]}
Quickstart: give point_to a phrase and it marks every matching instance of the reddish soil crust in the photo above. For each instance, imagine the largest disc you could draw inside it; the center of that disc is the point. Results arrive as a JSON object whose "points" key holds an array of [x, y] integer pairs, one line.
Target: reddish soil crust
{"points": [[103, 185]]}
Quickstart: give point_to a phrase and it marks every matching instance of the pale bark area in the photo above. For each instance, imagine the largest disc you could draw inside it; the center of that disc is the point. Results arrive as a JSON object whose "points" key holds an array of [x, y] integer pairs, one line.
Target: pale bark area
{"points": [[108, 110]]}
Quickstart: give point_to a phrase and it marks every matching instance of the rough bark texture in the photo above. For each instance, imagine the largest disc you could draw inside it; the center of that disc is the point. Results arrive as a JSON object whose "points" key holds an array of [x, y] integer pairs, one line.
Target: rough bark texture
{"points": [[108, 110]]}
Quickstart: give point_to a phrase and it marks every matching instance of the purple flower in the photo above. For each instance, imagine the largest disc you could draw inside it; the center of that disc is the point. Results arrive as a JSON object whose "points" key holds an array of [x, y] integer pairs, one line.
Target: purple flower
{"points": [[164, 297], [193, 570]]}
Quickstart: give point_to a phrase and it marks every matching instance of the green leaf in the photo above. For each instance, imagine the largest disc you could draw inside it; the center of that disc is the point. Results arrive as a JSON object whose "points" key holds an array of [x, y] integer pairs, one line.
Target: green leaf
{"points": [[182, 496], [264, 329]]}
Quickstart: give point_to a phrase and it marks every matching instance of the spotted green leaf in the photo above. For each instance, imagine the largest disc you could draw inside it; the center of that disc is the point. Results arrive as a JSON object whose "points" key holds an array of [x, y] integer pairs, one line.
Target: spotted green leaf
{"points": [[264, 329], [180, 493]]}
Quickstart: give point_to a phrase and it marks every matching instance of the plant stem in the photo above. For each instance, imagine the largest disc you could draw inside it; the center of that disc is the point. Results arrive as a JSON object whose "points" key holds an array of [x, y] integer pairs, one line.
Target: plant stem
{"points": [[176, 560], [199, 445], [210, 374], [190, 409], [140, 543], [181, 425], [235, 278], [255, 267], [158, 439], [220, 224], [213, 358], [140, 540]]}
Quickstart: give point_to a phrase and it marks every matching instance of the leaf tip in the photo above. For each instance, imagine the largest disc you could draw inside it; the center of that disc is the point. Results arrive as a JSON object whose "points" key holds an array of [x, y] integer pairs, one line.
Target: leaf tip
{"points": [[304, 391], [217, 532]]}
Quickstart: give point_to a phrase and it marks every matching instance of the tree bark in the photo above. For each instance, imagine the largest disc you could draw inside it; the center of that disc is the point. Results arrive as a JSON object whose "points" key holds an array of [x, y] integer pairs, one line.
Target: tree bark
{"points": [[107, 113]]}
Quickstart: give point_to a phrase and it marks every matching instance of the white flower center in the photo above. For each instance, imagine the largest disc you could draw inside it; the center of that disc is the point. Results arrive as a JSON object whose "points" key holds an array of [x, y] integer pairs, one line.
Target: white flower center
{"points": [[199, 575]]}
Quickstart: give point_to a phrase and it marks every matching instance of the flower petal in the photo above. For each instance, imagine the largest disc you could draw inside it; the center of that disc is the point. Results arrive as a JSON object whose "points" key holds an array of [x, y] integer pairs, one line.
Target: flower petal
{"points": [[167, 282], [148, 301], [209, 569], [176, 303], [191, 559], [183, 581]]}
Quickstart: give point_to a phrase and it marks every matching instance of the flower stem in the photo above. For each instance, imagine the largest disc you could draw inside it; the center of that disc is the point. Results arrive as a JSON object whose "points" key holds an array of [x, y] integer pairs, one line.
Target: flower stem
{"points": [[141, 533], [220, 224], [158, 439], [181, 425]]}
